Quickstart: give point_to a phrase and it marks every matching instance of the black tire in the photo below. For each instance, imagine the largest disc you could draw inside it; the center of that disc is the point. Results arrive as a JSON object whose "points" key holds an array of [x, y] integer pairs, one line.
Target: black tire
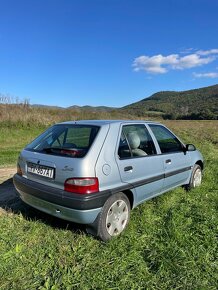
{"points": [[114, 217], [196, 177]]}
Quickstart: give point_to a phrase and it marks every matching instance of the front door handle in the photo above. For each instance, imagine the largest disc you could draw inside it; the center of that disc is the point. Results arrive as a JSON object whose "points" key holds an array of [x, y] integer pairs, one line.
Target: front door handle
{"points": [[168, 161], [128, 168]]}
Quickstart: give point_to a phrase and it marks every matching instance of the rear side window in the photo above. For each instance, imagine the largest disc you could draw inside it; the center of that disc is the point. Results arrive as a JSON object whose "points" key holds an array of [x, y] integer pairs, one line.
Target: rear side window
{"points": [[135, 141], [167, 141], [65, 139]]}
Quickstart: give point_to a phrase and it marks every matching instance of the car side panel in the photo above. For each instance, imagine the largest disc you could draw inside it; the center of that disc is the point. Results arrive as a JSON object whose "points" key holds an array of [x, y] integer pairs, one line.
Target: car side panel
{"points": [[146, 176], [177, 167], [106, 166]]}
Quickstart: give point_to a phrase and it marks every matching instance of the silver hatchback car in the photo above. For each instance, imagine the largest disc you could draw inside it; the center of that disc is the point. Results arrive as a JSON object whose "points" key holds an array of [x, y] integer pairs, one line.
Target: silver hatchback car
{"points": [[95, 172]]}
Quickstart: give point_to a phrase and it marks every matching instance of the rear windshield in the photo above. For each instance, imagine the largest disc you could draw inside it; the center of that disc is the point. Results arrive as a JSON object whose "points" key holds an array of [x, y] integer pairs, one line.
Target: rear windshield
{"points": [[69, 140]]}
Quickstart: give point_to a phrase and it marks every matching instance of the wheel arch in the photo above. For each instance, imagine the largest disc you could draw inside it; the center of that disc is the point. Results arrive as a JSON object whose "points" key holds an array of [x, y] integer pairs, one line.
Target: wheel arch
{"points": [[200, 163], [130, 197]]}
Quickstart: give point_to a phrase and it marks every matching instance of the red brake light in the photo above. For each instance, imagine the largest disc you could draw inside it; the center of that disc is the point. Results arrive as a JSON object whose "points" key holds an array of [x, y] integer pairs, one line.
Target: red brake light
{"points": [[82, 185], [71, 152]]}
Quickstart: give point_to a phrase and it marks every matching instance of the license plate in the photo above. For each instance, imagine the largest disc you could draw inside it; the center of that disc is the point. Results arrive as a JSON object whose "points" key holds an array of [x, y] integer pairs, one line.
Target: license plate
{"points": [[40, 170]]}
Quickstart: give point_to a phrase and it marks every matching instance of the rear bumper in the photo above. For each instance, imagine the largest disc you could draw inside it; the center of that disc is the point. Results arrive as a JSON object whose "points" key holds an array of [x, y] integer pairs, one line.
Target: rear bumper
{"points": [[60, 197], [70, 206], [73, 215]]}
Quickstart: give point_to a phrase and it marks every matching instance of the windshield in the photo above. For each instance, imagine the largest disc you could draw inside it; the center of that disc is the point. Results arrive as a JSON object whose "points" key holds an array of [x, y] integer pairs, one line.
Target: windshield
{"points": [[65, 139]]}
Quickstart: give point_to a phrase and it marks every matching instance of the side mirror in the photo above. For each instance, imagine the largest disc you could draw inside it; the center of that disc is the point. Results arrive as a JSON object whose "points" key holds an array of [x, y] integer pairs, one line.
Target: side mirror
{"points": [[190, 147]]}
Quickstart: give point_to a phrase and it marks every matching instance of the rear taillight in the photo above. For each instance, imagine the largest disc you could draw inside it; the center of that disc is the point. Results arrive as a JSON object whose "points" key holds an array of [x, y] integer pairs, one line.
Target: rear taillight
{"points": [[19, 171], [82, 185]]}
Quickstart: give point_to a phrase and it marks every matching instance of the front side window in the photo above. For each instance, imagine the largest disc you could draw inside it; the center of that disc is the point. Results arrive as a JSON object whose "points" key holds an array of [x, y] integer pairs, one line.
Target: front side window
{"points": [[65, 139], [135, 141], [167, 141]]}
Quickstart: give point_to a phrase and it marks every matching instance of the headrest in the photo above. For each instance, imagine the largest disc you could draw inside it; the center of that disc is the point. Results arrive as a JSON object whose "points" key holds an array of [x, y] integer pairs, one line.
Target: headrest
{"points": [[134, 140]]}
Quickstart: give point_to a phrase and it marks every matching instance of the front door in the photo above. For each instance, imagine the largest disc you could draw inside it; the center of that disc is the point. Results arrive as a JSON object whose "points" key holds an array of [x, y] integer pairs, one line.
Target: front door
{"points": [[176, 162]]}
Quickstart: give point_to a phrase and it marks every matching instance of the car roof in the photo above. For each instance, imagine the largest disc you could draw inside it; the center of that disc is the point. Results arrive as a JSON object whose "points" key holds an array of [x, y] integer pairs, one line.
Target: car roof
{"points": [[106, 122]]}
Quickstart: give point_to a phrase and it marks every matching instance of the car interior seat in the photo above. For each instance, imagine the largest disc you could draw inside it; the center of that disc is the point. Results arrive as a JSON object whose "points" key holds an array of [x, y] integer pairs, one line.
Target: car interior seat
{"points": [[134, 143]]}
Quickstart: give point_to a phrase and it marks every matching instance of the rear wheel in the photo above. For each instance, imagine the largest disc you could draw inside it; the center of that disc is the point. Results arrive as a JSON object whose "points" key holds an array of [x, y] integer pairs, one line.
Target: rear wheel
{"points": [[114, 216]]}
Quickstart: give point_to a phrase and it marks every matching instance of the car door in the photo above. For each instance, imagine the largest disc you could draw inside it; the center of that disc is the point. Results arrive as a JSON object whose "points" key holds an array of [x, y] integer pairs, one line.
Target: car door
{"points": [[176, 162], [138, 162]]}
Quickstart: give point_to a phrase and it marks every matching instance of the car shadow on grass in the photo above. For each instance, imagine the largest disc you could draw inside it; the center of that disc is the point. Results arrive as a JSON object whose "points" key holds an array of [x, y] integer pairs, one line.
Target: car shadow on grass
{"points": [[11, 203]]}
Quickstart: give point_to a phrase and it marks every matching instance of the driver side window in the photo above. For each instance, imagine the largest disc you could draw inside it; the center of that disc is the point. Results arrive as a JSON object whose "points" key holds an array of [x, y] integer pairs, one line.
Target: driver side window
{"points": [[167, 141]]}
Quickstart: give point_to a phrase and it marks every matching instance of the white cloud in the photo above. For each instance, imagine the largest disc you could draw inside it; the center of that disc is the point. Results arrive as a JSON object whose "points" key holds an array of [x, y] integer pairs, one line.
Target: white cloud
{"points": [[207, 52], [154, 64], [192, 60], [159, 64], [211, 75]]}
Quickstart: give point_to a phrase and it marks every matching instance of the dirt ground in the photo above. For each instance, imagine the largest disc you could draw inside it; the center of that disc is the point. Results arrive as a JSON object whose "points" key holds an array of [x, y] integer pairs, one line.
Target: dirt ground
{"points": [[8, 195], [6, 173], [10, 203]]}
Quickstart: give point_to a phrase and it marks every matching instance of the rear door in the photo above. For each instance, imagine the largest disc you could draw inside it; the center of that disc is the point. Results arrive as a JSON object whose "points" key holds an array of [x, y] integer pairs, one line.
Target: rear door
{"points": [[176, 162], [144, 171]]}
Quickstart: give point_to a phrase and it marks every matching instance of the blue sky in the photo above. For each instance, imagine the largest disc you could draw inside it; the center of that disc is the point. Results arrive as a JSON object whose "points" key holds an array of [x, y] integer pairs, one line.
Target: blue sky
{"points": [[101, 52]]}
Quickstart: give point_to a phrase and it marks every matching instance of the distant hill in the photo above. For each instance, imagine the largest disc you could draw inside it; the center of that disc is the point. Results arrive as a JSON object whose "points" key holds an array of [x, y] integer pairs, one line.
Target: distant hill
{"points": [[78, 108], [197, 104], [193, 104], [91, 108], [46, 106]]}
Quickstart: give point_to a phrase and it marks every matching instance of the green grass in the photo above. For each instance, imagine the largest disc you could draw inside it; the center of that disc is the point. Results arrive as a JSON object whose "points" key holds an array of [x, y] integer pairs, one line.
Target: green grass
{"points": [[12, 140], [170, 243]]}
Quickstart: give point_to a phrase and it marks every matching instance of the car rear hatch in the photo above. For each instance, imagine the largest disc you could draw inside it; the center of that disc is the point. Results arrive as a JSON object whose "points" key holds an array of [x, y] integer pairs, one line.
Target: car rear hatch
{"points": [[63, 151]]}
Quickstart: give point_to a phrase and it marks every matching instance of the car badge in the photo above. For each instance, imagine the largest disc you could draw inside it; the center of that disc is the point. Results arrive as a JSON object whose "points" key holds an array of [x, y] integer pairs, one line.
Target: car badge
{"points": [[66, 168]]}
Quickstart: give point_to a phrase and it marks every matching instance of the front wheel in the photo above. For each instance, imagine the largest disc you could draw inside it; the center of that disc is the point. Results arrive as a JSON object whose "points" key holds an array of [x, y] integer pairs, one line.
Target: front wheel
{"points": [[196, 177], [114, 216]]}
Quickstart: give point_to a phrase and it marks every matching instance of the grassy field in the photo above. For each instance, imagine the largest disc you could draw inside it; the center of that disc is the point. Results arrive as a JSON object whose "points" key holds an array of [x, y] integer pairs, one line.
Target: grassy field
{"points": [[170, 243], [19, 124]]}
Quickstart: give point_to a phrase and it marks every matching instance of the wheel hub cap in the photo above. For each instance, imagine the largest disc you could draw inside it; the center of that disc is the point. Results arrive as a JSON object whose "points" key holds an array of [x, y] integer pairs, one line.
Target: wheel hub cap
{"points": [[117, 218], [197, 178]]}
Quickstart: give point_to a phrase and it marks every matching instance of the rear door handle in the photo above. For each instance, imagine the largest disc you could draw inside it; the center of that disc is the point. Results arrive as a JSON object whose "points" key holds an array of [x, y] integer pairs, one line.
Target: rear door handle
{"points": [[128, 168], [168, 161]]}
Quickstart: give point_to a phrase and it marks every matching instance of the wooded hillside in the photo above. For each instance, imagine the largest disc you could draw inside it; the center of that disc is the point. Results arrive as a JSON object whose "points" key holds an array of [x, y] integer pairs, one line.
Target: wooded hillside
{"points": [[197, 104]]}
